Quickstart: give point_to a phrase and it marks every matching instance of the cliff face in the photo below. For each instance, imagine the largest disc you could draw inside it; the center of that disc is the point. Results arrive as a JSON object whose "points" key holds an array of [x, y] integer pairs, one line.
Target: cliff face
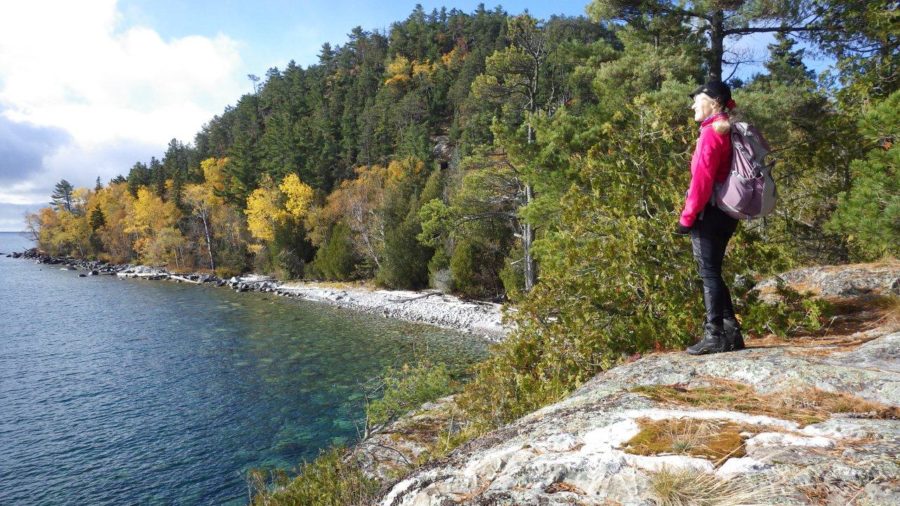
{"points": [[797, 422]]}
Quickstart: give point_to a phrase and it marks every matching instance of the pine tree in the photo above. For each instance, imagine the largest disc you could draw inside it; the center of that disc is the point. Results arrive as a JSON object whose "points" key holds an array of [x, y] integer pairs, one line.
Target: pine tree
{"points": [[61, 198]]}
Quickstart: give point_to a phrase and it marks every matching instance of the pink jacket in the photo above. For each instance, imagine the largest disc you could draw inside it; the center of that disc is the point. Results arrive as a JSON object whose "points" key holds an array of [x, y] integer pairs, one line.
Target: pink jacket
{"points": [[709, 165]]}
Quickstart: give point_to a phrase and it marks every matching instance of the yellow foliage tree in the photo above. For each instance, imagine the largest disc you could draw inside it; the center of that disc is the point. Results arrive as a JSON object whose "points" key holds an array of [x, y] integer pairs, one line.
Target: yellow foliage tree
{"points": [[80, 198], [226, 219], [298, 196], [423, 69], [152, 222], [401, 170], [454, 58], [270, 206], [165, 245], [214, 173], [398, 70], [356, 202], [114, 201], [264, 212], [61, 232], [202, 200], [401, 69]]}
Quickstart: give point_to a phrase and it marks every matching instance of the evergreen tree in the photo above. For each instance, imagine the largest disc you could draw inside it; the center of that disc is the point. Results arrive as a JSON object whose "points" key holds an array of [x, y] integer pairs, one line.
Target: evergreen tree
{"points": [[785, 64], [869, 211], [726, 22], [61, 198], [97, 219], [138, 176]]}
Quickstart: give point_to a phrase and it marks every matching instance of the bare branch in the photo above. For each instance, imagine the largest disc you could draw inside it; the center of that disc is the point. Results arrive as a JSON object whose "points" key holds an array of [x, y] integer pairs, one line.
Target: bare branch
{"points": [[778, 29]]}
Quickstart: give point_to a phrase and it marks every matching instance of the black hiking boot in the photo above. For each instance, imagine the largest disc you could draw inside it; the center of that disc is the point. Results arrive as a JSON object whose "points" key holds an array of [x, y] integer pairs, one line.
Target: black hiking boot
{"points": [[734, 341], [713, 341]]}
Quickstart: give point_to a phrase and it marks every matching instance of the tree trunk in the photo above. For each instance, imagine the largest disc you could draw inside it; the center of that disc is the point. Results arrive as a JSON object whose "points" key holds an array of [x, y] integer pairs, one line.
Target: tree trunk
{"points": [[212, 263], [528, 232], [527, 239], [716, 46]]}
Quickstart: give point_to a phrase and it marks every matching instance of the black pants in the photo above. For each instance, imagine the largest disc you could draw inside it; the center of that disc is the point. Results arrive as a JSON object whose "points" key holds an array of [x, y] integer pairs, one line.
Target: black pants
{"points": [[709, 238]]}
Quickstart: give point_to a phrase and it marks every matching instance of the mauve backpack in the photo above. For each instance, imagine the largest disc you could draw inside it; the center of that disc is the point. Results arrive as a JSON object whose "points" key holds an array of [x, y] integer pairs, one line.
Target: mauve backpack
{"points": [[749, 190]]}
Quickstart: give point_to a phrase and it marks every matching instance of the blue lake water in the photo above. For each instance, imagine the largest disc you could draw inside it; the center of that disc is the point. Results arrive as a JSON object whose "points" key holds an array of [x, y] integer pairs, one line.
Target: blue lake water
{"points": [[117, 391]]}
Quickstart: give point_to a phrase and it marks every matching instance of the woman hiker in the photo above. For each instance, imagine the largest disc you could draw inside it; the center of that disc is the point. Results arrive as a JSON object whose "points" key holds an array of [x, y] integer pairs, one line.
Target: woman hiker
{"points": [[710, 228]]}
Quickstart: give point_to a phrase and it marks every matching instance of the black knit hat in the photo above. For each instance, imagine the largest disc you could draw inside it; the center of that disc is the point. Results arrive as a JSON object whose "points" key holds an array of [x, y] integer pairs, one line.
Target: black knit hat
{"points": [[716, 90]]}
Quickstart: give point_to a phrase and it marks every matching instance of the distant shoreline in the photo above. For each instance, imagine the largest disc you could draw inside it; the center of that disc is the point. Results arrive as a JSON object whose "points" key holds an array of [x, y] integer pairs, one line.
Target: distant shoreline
{"points": [[430, 307]]}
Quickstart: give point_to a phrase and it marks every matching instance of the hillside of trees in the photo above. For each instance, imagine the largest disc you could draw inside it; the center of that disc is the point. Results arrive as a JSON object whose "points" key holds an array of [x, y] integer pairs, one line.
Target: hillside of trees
{"points": [[483, 154]]}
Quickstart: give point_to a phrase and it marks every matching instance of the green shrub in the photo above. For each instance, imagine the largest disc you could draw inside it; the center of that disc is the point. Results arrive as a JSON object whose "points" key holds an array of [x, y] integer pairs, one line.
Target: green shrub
{"points": [[475, 266], [336, 259], [793, 313], [291, 251], [405, 263], [513, 275], [464, 268], [407, 388], [331, 479], [439, 275]]}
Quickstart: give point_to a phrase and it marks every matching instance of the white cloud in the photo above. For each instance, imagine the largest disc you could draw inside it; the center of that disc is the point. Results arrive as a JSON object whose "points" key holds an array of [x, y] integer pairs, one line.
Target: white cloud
{"points": [[72, 66]]}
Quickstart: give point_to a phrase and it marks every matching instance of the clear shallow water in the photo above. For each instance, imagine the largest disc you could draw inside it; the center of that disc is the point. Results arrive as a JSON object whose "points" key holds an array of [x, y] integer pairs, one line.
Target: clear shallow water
{"points": [[140, 392]]}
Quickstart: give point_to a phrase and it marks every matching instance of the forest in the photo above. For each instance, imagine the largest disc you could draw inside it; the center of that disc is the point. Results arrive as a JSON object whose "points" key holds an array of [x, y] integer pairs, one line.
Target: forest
{"points": [[509, 158]]}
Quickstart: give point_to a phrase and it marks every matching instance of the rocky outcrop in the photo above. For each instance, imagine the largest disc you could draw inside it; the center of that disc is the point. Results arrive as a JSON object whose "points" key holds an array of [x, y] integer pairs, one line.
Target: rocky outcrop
{"points": [[839, 280], [395, 449], [795, 423], [442, 149], [67, 263]]}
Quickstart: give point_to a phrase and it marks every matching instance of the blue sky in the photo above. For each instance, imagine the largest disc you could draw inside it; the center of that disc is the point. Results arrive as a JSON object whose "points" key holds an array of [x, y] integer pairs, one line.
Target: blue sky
{"points": [[89, 87], [273, 32]]}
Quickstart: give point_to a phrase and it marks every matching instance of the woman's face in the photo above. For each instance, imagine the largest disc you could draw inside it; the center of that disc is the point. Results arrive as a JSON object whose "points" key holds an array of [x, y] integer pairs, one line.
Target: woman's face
{"points": [[703, 107]]}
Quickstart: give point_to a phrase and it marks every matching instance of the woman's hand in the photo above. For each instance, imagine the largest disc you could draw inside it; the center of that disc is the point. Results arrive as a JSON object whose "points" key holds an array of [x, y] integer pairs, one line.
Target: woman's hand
{"points": [[682, 230]]}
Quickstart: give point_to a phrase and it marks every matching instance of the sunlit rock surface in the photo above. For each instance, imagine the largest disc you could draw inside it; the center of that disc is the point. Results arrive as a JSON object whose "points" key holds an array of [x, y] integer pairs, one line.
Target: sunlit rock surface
{"points": [[574, 451]]}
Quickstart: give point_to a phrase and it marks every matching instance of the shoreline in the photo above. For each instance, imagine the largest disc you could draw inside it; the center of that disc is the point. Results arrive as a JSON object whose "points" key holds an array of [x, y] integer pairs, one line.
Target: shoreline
{"points": [[430, 307]]}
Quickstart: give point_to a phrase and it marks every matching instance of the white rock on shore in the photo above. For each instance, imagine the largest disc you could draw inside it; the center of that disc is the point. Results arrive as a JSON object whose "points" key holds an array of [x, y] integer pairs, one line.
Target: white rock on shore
{"points": [[431, 307], [435, 308]]}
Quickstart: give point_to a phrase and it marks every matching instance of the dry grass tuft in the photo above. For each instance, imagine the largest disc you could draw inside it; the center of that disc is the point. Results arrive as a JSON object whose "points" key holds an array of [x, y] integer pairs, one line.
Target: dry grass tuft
{"points": [[812, 399], [691, 487], [688, 436], [802, 405]]}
